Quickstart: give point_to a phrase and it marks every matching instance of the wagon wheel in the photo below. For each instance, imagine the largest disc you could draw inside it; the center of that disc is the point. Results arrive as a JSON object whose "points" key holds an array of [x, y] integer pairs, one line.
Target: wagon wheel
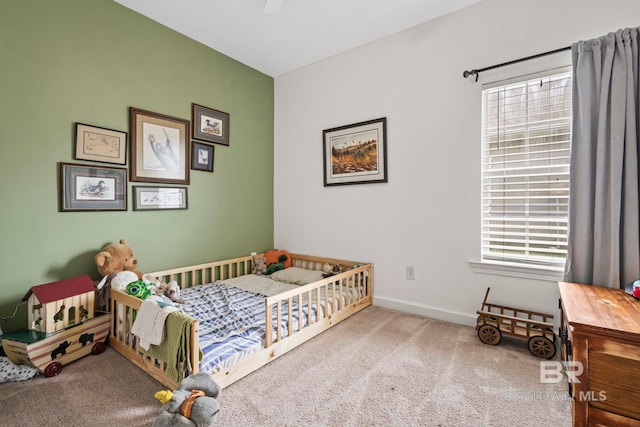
{"points": [[98, 348], [489, 334], [542, 347], [52, 369]]}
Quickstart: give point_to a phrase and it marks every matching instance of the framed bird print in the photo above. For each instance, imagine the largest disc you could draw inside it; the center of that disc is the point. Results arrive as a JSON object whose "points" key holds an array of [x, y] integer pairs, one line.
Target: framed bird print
{"points": [[158, 198], [201, 156], [159, 147], [92, 188], [210, 125]]}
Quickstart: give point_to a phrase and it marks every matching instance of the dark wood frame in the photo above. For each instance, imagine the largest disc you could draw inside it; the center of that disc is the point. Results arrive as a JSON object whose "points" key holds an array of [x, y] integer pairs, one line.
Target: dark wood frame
{"points": [[196, 147], [89, 138], [345, 144], [224, 119], [68, 174], [160, 163]]}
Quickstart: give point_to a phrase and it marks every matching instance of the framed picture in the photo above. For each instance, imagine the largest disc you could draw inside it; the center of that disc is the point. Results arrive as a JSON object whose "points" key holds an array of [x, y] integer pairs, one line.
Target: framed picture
{"points": [[159, 147], [210, 125], [91, 188], [201, 157], [100, 144], [356, 154], [158, 198]]}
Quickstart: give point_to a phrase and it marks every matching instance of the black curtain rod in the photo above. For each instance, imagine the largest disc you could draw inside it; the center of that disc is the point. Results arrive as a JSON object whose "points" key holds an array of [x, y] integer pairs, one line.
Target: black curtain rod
{"points": [[468, 73]]}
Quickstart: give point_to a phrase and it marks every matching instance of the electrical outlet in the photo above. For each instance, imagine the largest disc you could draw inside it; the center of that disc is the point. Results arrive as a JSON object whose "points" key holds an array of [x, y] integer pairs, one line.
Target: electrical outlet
{"points": [[411, 272], [253, 254]]}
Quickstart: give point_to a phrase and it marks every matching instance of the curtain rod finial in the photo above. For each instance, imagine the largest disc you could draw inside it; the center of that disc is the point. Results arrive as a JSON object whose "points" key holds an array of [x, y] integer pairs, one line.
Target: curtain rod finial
{"points": [[468, 73]]}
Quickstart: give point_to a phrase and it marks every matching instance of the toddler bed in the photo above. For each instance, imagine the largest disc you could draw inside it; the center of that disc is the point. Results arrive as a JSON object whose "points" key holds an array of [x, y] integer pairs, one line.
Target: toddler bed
{"points": [[227, 335]]}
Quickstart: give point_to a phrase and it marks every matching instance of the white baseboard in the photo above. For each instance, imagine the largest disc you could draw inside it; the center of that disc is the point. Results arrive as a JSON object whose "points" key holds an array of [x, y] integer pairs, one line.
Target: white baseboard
{"points": [[426, 311]]}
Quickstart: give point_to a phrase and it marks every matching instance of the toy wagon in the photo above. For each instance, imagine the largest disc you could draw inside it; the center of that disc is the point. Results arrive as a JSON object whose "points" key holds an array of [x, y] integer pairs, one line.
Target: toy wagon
{"points": [[63, 326], [497, 320]]}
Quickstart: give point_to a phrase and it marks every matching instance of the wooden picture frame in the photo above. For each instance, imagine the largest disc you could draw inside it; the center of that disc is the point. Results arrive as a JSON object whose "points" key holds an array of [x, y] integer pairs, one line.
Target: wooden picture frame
{"points": [[100, 144], [92, 188], [159, 147], [202, 156], [356, 153], [159, 198], [210, 125]]}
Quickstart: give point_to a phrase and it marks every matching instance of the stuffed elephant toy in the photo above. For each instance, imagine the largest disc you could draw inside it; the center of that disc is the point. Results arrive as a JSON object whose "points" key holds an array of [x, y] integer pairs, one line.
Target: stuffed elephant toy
{"points": [[192, 404]]}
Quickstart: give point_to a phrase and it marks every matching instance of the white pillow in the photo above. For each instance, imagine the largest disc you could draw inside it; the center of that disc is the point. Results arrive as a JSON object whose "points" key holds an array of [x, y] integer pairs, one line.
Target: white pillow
{"points": [[297, 276]]}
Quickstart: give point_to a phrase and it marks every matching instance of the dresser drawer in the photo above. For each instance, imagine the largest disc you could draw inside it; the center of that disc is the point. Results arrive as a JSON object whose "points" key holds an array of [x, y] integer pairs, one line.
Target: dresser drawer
{"points": [[600, 418], [600, 333], [613, 376]]}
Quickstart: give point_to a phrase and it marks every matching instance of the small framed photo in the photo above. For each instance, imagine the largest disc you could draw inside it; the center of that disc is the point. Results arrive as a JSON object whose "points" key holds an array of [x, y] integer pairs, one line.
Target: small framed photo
{"points": [[100, 144], [210, 125], [159, 147], [355, 154], [159, 198], [91, 188], [201, 157]]}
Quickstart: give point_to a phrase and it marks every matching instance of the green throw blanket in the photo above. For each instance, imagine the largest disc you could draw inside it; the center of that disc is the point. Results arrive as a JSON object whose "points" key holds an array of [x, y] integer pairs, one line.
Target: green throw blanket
{"points": [[174, 350]]}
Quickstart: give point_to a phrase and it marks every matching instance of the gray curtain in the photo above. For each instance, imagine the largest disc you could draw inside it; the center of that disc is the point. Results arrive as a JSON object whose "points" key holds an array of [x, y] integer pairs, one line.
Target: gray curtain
{"points": [[604, 231]]}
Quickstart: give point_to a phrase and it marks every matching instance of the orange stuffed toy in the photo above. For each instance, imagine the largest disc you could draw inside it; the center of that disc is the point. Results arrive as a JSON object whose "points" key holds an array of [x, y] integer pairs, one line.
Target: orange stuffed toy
{"points": [[273, 257]]}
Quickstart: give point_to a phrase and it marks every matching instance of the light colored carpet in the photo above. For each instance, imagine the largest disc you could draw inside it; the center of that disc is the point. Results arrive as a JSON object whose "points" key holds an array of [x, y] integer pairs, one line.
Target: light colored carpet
{"points": [[378, 368]]}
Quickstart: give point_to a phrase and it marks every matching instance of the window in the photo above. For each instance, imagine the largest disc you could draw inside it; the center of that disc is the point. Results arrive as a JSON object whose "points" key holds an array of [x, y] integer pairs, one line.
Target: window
{"points": [[526, 137]]}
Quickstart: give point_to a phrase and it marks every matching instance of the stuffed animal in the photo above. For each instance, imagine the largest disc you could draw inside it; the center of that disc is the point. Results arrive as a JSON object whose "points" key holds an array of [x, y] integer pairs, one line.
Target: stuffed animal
{"points": [[171, 290], [273, 256], [118, 281], [331, 270], [259, 265], [272, 268], [117, 257], [192, 404]]}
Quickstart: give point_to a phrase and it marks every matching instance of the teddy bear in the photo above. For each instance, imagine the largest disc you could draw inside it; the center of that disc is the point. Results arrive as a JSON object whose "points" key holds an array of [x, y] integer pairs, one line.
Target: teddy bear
{"points": [[259, 265], [193, 403], [116, 257]]}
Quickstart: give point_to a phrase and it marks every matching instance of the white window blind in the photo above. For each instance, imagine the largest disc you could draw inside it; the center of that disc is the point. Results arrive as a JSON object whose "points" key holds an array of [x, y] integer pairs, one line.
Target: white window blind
{"points": [[525, 175]]}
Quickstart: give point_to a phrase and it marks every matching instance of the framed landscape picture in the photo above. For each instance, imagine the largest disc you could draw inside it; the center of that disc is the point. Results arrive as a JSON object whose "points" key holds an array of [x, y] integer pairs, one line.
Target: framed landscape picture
{"points": [[91, 188], [159, 147], [210, 125], [356, 153]]}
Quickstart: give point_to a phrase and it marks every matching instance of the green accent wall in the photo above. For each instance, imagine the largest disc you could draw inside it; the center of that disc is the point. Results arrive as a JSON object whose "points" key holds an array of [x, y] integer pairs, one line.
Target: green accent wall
{"points": [[88, 61]]}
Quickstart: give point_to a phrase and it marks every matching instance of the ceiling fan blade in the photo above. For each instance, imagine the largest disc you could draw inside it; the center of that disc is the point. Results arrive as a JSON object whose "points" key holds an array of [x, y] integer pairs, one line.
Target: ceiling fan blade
{"points": [[273, 6]]}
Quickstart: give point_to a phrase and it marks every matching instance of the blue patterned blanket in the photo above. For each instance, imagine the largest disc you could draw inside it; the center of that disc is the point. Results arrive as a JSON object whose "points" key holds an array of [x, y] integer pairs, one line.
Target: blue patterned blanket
{"points": [[232, 322]]}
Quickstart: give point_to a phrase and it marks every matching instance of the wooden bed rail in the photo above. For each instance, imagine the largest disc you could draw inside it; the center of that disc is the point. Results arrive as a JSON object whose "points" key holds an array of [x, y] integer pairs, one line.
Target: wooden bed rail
{"points": [[219, 270], [123, 309], [360, 278], [341, 296], [343, 291], [206, 273]]}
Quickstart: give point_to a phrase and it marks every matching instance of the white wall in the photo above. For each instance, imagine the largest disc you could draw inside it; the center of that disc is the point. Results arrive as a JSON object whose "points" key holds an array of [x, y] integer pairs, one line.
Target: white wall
{"points": [[428, 214]]}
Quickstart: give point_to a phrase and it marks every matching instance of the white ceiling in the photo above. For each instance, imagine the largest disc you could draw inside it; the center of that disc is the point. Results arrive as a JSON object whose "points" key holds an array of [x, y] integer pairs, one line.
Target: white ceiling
{"points": [[278, 36]]}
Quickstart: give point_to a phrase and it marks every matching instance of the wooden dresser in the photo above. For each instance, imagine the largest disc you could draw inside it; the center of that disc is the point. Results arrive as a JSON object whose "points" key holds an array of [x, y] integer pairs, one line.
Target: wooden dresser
{"points": [[600, 336]]}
